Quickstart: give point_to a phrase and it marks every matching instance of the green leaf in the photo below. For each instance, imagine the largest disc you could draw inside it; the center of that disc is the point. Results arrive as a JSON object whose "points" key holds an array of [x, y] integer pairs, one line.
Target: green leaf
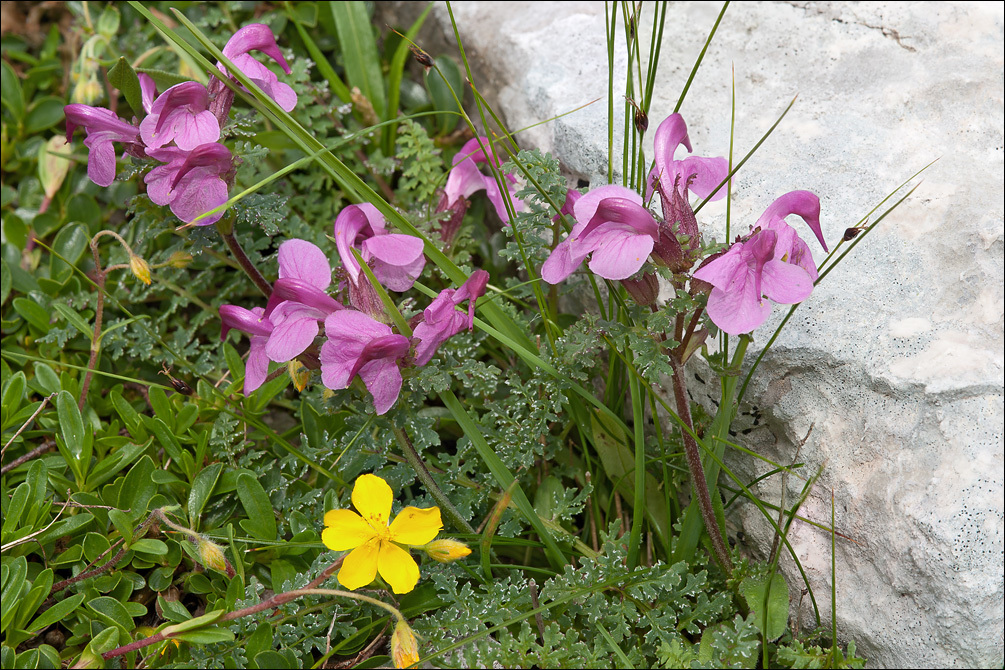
{"points": [[123, 523], [76, 444], [13, 395], [39, 591], [72, 316], [44, 113], [123, 77], [32, 312], [12, 511], [164, 436], [261, 521], [6, 281], [162, 407], [192, 624], [772, 619], [271, 659], [69, 245], [202, 489], [111, 464], [210, 635], [12, 96], [359, 52], [259, 641], [150, 547], [138, 488], [130, 417], [15, 573], [53, 164], [47, 378], [56, 613], [112, 612]]}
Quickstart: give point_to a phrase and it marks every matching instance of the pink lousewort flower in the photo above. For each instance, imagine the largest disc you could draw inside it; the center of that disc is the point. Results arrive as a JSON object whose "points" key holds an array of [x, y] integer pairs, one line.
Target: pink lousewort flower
{"points": [[700, 175], [396, 259], [257, 37], [772, 264], [465, 179], [360, 345], [441, 320], [304, 274], [288, 325], [191, 182], [180, 114], [103, 129], [254, 322], [613, 226]]}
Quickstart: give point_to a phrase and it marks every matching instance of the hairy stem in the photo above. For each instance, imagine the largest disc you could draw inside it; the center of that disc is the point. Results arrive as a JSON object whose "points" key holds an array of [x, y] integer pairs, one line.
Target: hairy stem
{"points": [[270, 603], [447, 507], [242, 259], [694, 466]]}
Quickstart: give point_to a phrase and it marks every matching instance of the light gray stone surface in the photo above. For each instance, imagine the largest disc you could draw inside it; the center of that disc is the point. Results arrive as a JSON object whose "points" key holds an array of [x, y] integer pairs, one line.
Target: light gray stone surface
{"points": [[897, 358]]}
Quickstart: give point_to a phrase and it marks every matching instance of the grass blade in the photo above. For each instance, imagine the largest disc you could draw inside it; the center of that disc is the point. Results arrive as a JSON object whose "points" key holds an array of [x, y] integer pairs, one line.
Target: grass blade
{"points": [[503, 476], [359, 52]]}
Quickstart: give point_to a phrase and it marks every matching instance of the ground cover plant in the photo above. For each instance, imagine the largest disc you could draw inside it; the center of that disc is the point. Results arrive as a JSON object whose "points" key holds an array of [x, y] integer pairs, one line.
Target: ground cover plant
{"points": [[297, 370]]}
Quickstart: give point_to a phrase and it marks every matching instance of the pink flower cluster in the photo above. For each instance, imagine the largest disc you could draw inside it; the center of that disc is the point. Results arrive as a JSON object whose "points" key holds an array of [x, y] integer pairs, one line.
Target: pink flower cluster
{"points": [[181, 129], [620, 236], [357, 341]]}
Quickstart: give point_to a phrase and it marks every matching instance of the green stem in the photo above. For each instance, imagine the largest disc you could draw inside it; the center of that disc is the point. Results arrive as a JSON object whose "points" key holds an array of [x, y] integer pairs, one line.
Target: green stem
{"points": [[413, 458]]}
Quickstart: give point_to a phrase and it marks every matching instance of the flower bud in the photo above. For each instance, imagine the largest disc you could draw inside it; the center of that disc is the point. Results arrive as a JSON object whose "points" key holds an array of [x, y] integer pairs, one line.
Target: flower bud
{"points": [[211, 555], [140, 268], [87, 92], [446, 550], [179, 259], [644, 290], [299, 374], [404, 647]]}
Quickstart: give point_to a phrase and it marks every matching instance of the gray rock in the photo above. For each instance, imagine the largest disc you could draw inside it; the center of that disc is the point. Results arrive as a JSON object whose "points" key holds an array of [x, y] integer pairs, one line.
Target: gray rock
{"points": [[897, 358]]}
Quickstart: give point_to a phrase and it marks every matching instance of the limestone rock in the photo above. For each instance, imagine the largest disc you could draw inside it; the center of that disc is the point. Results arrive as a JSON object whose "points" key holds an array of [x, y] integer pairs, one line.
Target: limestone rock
{"points": [[896, 359]]}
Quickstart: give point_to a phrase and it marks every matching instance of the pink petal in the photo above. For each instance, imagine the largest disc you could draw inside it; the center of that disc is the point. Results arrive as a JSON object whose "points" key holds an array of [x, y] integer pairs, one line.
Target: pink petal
{"points": [[193, 130], [299, 259], [784, 283], [257, 367], [255, 37], [198, 192], [383, 380], [708, 174], [586, 206], [294, 328], [804, 204], [737, 312], [621, 251]]}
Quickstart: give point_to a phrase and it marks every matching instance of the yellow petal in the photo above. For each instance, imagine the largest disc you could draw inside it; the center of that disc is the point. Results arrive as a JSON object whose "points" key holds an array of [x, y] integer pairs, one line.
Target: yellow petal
{"points": [[397, 568], [345, 530], [416, 526], [360, 566], [372, 498]]}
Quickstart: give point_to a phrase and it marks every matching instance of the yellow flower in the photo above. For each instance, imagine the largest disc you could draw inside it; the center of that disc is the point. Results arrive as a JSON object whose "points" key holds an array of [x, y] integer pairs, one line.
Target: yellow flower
{"points": [[446, 550], [376, 544], [404, 648]]}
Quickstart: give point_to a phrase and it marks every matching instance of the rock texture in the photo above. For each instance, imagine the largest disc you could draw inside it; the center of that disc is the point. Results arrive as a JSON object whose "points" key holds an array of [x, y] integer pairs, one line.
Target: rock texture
{"points": [[897, 358]]}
